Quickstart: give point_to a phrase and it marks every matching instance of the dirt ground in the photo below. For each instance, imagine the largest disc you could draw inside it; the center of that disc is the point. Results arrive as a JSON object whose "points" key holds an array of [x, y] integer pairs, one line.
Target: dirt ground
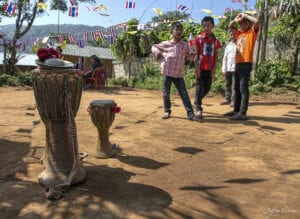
{"points": [[171, 168]]}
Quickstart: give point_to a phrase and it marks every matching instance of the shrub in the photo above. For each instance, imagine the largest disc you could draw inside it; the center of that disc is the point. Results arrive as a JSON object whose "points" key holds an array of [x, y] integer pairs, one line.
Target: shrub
{"points": [[270, 74], [25, 78], [9, 80]]}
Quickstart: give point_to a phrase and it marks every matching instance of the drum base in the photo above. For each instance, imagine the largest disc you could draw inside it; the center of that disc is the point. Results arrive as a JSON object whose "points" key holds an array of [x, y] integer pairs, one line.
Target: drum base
{"points": [[103, 154], [103, 148], [48, 178]]}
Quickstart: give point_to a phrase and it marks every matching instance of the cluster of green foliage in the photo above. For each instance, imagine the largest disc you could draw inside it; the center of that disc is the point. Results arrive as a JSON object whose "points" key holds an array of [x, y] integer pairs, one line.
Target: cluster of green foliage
{"points": [[20, 79], [273, 74]]}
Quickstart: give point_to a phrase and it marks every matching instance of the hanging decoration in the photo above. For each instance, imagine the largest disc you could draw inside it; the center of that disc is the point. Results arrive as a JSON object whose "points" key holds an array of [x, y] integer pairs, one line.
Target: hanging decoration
{"points": [[10, 7], [157, 11], [81, 43], [182, 8], [207, 11], [73, 11], [97, 8], [130, 4]]}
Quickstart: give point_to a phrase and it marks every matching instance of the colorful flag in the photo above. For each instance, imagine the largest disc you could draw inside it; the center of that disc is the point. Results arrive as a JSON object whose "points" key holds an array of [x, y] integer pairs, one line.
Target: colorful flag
{"points": [[207, 11], [101, 34], [71, 38], [182, 8], [228, 10], [11, 8], [97, 8], [86, 36], [130, 4], [141, 27], [158, 11], [111, 39], [73, 11], [41, 5], [81, 43], [73, 2], [51, 43], [60, 38], [113, 31], [93, 35], [154, 24]]}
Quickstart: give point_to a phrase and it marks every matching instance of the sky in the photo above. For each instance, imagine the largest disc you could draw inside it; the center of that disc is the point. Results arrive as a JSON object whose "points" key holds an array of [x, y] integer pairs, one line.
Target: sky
{"points": [[143, 11]]}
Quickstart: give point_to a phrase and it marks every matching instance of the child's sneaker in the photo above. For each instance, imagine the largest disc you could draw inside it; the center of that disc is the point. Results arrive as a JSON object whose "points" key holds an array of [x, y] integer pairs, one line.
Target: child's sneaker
{"points": [[166, 115], [198, 114], [231, 113], [239, 117]]}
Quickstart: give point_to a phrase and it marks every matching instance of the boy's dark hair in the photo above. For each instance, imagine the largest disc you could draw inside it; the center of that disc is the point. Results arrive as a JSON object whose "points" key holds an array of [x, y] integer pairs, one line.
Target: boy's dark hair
{"points": [[208, 18], [175, 24]]}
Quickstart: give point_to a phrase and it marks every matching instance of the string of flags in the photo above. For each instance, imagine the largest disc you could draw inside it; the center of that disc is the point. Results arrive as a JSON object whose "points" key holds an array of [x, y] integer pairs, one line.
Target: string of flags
{"points": [[109, 34]]}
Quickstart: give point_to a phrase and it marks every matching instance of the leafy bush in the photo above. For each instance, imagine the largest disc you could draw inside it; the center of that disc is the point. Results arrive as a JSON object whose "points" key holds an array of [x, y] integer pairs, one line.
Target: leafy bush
{"points": [[20, 79], [117, 82], [9, 80], [25, 78], [269, 75]]}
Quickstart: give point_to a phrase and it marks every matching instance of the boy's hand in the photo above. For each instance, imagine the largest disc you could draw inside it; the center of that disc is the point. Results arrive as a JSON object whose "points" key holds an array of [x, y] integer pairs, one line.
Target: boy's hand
{"points": [[239, 17]]}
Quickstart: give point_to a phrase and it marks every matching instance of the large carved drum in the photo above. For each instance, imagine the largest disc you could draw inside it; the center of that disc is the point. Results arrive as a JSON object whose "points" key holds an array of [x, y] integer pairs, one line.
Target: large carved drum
{"points": [[57, 93], [102, 114]]}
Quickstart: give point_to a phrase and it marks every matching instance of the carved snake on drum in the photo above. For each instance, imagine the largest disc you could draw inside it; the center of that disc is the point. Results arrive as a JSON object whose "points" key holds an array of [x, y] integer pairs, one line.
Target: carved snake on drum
{"points": [[56, 192]]}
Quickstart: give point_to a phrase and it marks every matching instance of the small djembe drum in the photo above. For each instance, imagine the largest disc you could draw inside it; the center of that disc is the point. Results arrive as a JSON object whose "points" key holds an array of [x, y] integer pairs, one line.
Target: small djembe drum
{"points": [[57, 93], [102, 114]]}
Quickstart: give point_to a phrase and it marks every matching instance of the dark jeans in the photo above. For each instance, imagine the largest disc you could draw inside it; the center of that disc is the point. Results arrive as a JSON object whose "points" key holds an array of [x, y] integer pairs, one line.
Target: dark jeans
{"points": [[229, 87], [242, 77], [181, 88], [203, 85]]}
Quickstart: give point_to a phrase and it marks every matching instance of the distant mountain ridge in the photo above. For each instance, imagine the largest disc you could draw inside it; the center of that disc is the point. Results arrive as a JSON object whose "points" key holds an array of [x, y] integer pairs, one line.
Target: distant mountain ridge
{"points": [[38, 31]]}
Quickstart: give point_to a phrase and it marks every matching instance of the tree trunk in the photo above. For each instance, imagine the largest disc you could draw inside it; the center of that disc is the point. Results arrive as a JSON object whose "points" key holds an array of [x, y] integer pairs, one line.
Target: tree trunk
{"points": [[293, 57], [261, 16], [10, 65], [265, 31]]}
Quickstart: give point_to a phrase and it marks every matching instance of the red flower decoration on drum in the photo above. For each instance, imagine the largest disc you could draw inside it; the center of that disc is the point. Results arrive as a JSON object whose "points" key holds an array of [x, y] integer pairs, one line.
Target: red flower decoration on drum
{"points": [[44, 53], [115, 109]]}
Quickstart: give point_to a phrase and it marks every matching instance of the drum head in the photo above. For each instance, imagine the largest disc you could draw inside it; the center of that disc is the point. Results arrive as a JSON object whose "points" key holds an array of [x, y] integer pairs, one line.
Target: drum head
{"points": [[55, 63], [102, 102]]}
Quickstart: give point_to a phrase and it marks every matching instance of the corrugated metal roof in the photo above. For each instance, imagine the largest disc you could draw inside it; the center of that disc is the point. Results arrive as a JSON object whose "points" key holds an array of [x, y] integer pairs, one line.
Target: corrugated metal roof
{"points": [[87, 51], [27, 60], [71, 50]]}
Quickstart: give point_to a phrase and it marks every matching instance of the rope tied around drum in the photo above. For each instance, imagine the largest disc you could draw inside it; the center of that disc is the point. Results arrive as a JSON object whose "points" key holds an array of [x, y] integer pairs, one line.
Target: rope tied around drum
{"points": [[56, 192]]}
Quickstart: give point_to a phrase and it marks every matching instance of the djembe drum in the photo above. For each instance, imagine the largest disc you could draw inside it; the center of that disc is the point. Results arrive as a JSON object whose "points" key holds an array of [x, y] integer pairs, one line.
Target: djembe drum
{"points": [[102, 114], [57, 93]]}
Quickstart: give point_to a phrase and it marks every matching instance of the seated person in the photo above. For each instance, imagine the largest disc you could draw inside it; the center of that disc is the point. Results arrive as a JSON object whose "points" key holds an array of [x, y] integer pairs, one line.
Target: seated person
{"points": [[79, 64], [96, 63]]}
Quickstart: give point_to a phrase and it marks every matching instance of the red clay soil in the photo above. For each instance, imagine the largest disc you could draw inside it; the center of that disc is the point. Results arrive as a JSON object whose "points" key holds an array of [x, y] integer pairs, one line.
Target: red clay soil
{"points": [[171, 168]]}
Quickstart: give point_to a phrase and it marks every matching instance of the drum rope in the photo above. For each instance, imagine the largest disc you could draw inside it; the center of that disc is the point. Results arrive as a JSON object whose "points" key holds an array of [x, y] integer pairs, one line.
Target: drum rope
{"points": [[56, 192]]}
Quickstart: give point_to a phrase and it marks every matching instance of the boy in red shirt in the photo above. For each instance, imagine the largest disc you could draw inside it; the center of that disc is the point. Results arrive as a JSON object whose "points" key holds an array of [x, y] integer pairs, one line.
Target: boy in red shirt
{"points": [[246, 37], [205, 63]]}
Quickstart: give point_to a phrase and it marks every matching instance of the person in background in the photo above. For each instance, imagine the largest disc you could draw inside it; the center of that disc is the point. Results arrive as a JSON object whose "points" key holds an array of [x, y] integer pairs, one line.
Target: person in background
{"points": [[172, 55], [79, 64], [2, 35], [96, 63], [205, 62], [228, 69], [246, 37]]}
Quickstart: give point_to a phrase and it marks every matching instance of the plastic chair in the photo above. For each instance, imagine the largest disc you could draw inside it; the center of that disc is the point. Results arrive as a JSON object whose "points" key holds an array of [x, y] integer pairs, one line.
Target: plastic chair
{"points": [[96, 79]]}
